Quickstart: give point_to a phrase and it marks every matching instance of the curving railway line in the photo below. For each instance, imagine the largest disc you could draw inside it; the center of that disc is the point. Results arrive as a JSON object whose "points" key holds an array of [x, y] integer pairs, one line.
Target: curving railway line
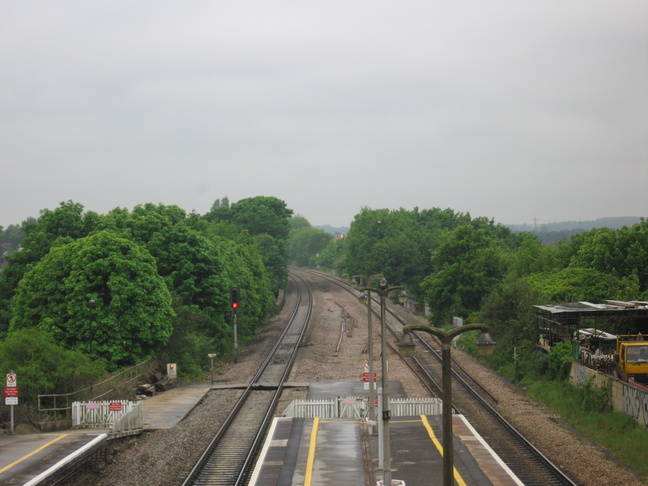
{"points": [[525, 460], [229, 458]]}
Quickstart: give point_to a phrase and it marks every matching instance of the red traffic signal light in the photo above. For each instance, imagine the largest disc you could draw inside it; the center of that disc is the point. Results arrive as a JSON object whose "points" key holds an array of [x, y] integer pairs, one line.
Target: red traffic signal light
{"points": [[234, 297]]}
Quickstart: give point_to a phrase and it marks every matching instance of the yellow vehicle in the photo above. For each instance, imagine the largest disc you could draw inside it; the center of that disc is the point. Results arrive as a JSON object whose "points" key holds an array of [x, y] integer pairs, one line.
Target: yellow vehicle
{"points": [[632, 358]]}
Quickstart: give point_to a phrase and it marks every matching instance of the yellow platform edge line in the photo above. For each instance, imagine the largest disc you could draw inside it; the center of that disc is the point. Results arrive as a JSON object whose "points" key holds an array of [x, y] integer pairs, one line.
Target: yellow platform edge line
{"points": [[439, 447], [308, 477], [32, 453]]}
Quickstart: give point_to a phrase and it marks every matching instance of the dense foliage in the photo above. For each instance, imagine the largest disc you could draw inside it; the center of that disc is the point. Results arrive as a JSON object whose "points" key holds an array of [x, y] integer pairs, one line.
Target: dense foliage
{"points": [[484, 272], [160, 276], [111, 290], [306, 243], [266, 219], [44, 366], [132, 305]]}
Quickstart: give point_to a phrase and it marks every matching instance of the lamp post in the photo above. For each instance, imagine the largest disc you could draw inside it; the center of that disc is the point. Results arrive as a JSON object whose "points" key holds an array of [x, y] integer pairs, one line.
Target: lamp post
{"points": [[485, 346], [367, 296], [383, 291]]}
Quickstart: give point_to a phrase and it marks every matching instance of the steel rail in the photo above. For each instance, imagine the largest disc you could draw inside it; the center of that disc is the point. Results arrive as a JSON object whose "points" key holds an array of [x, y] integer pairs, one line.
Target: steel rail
{"points": [[557, 475], [253, 411]]}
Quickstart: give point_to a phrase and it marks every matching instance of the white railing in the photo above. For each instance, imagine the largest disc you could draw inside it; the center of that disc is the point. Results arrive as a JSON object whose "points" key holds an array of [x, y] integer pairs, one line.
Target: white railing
{"points": [[410, 407], [356, 407], [323, 408], [119, 415], [133, 420]]}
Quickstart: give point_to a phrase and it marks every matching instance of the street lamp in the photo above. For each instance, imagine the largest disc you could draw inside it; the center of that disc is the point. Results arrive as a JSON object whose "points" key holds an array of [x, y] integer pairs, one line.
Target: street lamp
{"points": [[383, 291], [365, 297], [485, 347]]}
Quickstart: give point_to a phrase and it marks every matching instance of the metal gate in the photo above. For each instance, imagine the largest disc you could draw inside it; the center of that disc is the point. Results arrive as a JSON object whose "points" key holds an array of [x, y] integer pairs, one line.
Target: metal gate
{"points": [[119, 415]]}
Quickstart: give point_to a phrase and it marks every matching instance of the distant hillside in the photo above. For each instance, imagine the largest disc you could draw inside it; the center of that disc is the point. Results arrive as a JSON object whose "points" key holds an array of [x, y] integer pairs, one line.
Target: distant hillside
{"points": [[334, 231], [612, 223], [555, 232]]}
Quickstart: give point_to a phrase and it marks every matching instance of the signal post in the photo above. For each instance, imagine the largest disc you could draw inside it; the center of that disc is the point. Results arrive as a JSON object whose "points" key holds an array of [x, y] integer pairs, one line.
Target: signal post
{"points": [[235, 294]]}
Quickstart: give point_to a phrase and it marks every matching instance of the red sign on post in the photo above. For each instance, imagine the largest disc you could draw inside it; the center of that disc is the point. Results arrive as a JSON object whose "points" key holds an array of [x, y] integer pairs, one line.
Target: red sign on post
{"points": [[11, 391], [115, 406], [365, 377]]}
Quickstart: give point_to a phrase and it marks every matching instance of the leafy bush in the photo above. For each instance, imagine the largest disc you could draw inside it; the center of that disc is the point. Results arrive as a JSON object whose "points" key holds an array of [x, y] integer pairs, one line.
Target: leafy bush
{"points": [[42, 366], [560, 360], [595, 399]]}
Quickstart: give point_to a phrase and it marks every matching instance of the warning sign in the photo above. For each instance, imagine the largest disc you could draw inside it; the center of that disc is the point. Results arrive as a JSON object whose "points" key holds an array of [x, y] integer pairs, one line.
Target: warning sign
{"points": [[115, 406], [11, 379]]}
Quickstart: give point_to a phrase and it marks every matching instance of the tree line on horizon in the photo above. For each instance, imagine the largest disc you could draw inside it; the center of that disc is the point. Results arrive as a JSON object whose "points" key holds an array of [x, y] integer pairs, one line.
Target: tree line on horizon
{"points": [[160, 277]]}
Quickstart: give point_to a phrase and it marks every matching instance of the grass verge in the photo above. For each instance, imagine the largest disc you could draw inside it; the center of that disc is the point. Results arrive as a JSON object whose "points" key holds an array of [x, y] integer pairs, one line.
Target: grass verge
{"points": [[586, 412]]}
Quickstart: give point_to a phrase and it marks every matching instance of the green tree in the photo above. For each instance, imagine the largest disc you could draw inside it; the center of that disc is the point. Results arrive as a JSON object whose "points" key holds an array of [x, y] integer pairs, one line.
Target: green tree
{"points": [[398, 243], [246, 270], [42, 366], [298, 222], [275, 258], [192, 266], [623, 252], [267, 219], [467, 265], [575, 284], [508, 311], [532, 256], [12, 234], [334, 254], [53, 228], [305, 243], [132, 315], [560, 359], [263, 215]]}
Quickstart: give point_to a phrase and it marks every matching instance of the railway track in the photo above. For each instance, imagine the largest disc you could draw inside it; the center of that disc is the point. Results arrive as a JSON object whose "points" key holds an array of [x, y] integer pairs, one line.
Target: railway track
{"points": [[229, 458], [525, 460]]}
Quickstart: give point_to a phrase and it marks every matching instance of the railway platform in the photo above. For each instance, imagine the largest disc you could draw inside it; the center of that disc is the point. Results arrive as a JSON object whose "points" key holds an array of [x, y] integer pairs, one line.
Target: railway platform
{"points": [[318, 452], [298, 451], [24, 457]]}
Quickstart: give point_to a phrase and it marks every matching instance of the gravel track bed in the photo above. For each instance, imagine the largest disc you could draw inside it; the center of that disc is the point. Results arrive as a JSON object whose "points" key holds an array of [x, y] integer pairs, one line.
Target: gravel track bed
{"points": [[165, 457]]}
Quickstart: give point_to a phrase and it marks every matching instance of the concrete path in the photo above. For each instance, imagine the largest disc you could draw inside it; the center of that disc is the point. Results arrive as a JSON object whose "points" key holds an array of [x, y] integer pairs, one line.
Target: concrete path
{"points": [[166, 409]]}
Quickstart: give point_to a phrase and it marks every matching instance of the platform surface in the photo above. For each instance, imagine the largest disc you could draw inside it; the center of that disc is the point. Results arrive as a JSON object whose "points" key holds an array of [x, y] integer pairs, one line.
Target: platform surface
{"points": [[166, 409], [320, 452], [25, 456]]}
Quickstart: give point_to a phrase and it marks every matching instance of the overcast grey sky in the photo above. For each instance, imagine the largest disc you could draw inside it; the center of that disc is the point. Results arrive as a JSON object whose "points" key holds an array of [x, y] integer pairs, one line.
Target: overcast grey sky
{"points": [[512, 110]]}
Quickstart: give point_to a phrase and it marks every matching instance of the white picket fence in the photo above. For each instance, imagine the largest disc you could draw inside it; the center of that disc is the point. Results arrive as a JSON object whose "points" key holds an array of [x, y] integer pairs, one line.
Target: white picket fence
{"points": [[357, 407], [118, 415]]}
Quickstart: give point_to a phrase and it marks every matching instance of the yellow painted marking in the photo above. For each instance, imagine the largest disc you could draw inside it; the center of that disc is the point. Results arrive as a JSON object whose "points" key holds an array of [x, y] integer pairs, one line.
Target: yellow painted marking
{"points": [[308, 477], [439, 447], [32, 453]]}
